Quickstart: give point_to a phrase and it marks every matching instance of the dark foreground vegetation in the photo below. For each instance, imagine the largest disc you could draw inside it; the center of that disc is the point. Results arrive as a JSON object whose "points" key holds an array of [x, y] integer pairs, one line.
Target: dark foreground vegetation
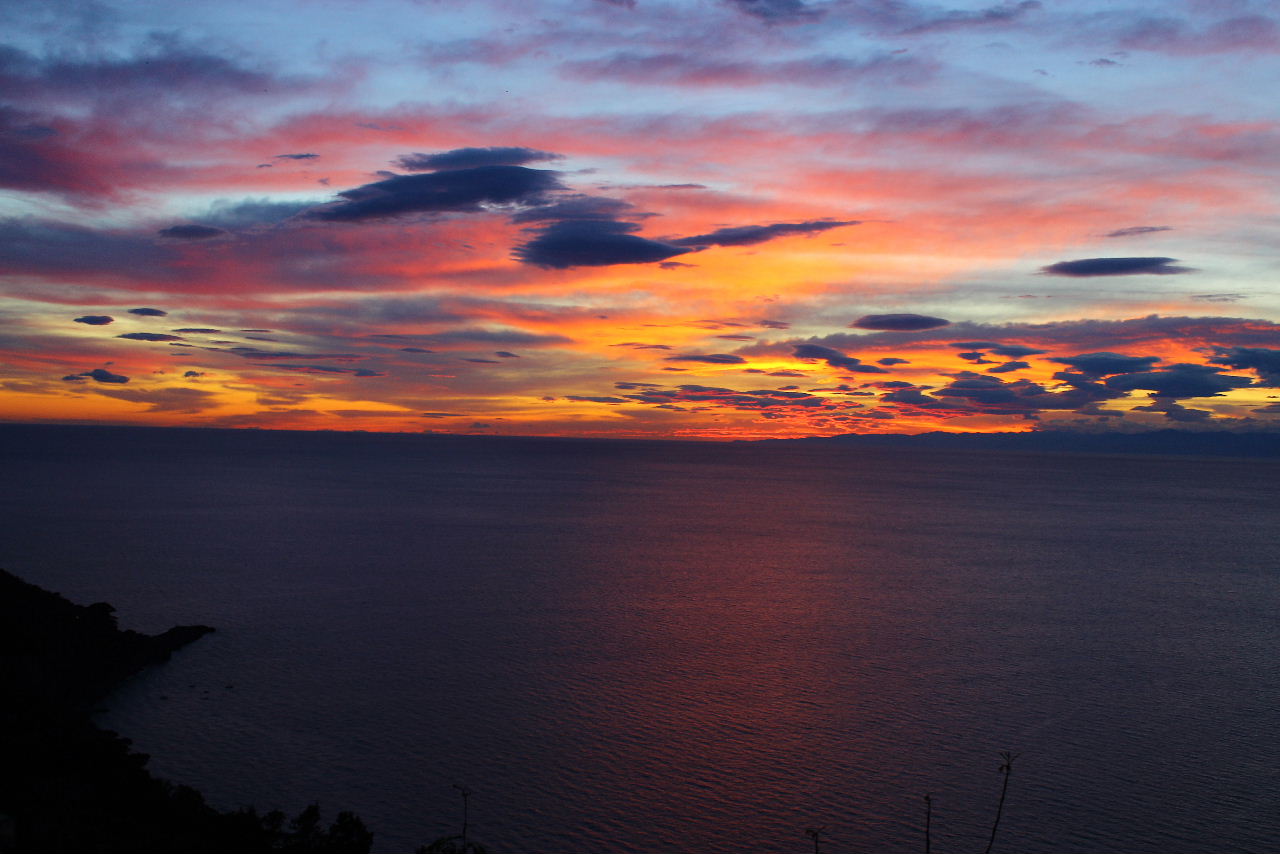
{"points": [[68, 786]]}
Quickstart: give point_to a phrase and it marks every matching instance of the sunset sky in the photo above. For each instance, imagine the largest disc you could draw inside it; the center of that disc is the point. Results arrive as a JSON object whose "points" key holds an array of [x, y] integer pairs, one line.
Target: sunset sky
{"points": [[701, 219]]}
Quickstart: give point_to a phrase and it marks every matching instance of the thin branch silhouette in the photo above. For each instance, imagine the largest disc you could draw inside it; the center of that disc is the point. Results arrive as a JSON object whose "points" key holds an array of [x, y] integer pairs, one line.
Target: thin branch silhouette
{"points": [[928, 819], [466, 794], [1006, 768]]}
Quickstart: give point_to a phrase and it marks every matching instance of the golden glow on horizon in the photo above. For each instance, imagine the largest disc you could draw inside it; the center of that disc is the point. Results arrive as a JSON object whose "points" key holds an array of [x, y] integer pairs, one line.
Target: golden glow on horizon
{"points": [[650, 250]]}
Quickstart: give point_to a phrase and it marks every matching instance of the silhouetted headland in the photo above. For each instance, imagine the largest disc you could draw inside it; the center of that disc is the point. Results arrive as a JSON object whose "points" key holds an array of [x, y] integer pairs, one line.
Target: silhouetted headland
{"points": [[70, 786]]}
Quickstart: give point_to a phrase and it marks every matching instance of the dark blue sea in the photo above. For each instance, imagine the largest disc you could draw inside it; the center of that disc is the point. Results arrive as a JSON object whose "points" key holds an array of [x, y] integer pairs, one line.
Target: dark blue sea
{"points": [[679, 647]]}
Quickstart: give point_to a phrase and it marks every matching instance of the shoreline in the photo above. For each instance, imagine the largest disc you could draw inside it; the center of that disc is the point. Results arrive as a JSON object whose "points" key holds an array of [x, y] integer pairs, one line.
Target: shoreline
{"points": [[72, 786]]}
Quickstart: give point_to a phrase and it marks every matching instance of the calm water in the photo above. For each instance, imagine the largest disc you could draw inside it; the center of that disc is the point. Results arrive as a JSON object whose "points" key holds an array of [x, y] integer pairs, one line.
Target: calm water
{"points": [[644, 647]]}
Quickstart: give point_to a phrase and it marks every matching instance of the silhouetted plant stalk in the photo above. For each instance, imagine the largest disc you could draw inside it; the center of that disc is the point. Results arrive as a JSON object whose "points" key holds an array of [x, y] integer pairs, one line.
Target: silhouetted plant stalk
{"points": [[928, 818], [815, 833], [1006, 768], [460, 844], [466, 793]]}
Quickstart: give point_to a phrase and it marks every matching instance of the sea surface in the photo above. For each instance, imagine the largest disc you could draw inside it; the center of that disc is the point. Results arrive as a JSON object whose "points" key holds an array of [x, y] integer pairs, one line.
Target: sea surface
{"points": [[679, 647]]}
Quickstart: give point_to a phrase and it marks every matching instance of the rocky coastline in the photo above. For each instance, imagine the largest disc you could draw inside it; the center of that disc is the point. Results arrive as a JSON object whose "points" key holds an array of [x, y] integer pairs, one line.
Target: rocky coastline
{"points": [[68, 785]]}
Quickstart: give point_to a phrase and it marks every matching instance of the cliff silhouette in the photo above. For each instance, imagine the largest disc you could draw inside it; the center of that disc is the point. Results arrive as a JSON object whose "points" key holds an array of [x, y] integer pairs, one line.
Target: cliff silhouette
{"points": [[70, 786]]}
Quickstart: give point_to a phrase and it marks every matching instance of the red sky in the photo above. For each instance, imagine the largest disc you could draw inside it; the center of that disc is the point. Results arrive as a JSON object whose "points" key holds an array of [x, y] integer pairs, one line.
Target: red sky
{"points": [[719, 219]]}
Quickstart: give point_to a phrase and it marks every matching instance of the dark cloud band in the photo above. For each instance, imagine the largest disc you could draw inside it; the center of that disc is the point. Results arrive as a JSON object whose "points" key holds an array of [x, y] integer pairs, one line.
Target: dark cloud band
{"points": [[1088, 267], [750, 235], [470, 158], [457, 191], [899, 322], [592, 243]]}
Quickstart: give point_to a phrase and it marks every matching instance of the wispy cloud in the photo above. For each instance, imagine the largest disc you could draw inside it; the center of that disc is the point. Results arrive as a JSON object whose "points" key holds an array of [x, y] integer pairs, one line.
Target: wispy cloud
{"points": [[780, 217]]}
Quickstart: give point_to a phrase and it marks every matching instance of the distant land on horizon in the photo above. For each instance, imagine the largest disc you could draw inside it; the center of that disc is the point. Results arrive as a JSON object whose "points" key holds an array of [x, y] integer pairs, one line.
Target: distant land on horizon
{"points": [[1158, 442], [1179, 442]]}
